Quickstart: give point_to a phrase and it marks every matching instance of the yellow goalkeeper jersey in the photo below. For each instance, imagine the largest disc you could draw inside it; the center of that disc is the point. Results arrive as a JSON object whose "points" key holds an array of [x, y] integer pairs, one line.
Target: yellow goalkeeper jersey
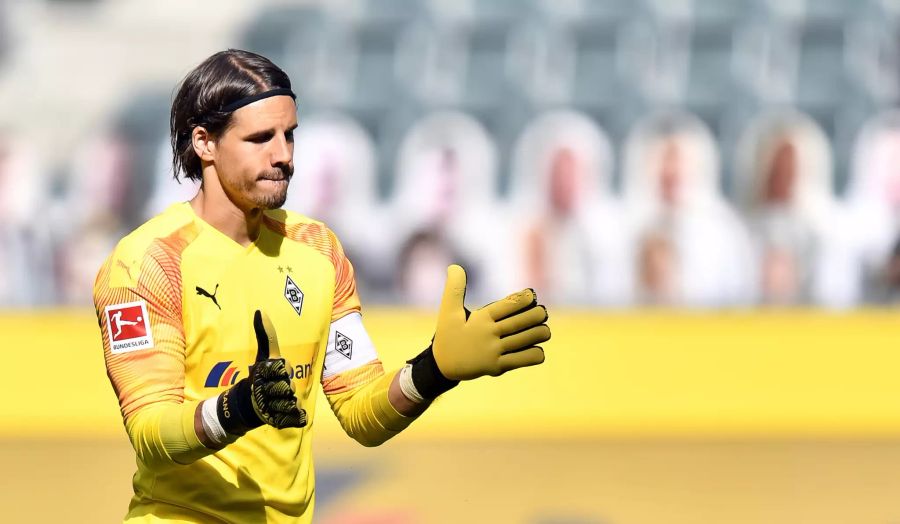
{"points": [[175, 304]]}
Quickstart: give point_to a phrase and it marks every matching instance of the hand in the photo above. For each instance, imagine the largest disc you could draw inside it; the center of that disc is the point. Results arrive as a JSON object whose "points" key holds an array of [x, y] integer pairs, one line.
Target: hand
{"points": [[272, 392], [497, 338], [266, 396]]}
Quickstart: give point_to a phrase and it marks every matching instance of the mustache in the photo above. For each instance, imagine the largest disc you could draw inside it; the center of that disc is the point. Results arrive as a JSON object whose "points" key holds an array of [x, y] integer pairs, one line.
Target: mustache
{"points": [[285, 172]]}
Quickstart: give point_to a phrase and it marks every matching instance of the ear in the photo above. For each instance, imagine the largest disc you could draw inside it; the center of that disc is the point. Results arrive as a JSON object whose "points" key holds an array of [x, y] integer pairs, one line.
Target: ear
{"points": [[204, 144]]}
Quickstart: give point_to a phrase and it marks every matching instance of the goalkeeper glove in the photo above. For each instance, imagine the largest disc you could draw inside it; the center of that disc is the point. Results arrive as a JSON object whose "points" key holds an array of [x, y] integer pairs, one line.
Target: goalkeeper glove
{"points": [[267, 395], [497, 338]]}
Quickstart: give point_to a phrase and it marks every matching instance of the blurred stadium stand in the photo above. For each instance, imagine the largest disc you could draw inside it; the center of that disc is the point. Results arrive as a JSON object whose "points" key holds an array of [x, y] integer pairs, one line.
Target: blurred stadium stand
{"points": [[605, 151], [389, 64]]}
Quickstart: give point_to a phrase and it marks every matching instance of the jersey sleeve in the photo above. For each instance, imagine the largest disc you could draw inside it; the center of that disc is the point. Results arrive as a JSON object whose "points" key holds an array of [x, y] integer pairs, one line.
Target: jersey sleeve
{"points": [[346, 298], [350, 356], [356, 386], [138, 306], [353, 378]]}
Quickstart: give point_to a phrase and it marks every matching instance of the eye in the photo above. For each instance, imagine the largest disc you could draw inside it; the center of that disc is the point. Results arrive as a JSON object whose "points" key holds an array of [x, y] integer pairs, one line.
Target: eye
{"points": [[260, 138], [289, 136]]}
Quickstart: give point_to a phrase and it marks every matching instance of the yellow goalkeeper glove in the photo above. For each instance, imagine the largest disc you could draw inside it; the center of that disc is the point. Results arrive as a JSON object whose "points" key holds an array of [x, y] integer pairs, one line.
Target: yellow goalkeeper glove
{"points": [[500, 337]]}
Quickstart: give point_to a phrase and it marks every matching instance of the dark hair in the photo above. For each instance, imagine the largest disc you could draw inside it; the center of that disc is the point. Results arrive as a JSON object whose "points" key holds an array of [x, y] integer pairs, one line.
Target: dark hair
{"points": [[220, 80]]}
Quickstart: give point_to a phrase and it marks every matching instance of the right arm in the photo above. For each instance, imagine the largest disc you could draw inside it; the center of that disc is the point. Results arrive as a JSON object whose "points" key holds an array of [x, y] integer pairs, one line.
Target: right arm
{"points": [[146, 367], [145, 362]]}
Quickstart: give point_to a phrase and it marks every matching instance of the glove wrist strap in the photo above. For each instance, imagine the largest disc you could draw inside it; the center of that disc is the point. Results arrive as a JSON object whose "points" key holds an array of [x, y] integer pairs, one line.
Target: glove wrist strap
{"points": [[212, 425], [408, 387], [235, 409], [427, 377]]}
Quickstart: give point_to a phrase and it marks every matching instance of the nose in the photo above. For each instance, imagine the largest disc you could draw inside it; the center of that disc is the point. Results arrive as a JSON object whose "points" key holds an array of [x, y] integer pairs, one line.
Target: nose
{"points": [[282, 152]]}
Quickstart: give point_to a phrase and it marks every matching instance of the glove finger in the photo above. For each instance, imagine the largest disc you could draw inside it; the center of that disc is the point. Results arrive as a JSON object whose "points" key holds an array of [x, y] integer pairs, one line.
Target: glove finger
{"points": [[272, 370], [531, 356], [262, 339], [277, 389], [507, 306], [282, 405], [454, 298], [529, 337], [266, 340], [295, 418], [522, 321]]}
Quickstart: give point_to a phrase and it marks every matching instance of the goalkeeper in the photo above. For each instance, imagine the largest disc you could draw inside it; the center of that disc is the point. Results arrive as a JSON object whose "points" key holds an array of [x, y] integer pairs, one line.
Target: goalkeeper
{"points": [[222, 316]]}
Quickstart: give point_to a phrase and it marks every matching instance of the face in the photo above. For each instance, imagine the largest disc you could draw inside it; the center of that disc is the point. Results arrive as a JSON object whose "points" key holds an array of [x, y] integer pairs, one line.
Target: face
{"points": [[670, 176], [782, 175], [425, 267], [254, 157], [892, 182], [327, 181], [657, 268], [440, 172], [447, 173], [563, 182]]}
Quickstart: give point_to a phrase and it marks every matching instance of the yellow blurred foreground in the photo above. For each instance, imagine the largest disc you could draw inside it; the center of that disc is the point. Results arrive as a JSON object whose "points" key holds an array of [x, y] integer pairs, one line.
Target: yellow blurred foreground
{"points": [[412, 481], [777, 417], [792, 374]]}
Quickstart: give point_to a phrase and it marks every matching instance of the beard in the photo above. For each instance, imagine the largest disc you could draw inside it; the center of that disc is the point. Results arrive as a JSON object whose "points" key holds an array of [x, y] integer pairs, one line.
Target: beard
{"points": [[272, 198]]}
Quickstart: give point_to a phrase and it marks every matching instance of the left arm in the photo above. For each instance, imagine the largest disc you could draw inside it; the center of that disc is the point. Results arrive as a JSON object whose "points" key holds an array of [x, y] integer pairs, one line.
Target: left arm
{"points": [[374, 412], [368, 403], [373, 406]]}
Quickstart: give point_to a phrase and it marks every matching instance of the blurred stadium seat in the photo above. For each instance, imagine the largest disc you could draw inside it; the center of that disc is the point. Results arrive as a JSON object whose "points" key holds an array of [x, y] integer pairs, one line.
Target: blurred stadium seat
{"points": [[387, 64]]}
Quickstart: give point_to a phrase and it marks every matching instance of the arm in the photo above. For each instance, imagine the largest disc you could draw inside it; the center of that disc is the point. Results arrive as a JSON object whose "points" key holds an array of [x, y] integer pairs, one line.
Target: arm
{"points": [[402, 403], [368, 404], [373, 407], [145, 363], [167, 433], [368, 413], [145, 356], [375, 411], [366, 401]]}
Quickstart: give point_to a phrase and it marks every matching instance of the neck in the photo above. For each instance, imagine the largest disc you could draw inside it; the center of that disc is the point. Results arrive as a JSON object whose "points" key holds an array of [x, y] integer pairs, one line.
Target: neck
{"points": [[213, 206]]}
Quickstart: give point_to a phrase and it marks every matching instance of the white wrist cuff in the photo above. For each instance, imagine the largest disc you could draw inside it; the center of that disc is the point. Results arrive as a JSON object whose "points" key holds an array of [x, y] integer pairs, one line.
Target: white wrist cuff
{"points": [[408, 387], [211, 424]]}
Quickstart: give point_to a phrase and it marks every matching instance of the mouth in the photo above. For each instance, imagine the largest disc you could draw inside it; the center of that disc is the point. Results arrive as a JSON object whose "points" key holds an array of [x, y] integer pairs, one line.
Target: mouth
{"points": [[276, 175], [274, 178]]}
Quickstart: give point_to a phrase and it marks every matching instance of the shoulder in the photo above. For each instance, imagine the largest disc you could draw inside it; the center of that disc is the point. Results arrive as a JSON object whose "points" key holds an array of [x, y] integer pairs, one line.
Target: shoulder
{"points": [[284, 220], [159, 241], [302, 229], [175, 225]]}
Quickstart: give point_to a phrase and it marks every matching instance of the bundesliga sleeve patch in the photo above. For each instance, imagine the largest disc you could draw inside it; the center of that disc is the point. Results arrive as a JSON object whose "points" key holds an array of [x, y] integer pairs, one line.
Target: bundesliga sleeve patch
{"points": [[128, 327], [349, 346]]}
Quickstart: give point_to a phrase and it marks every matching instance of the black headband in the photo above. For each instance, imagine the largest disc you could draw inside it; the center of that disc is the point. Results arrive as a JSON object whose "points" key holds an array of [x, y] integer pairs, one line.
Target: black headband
{"points": [[234, 106]]}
